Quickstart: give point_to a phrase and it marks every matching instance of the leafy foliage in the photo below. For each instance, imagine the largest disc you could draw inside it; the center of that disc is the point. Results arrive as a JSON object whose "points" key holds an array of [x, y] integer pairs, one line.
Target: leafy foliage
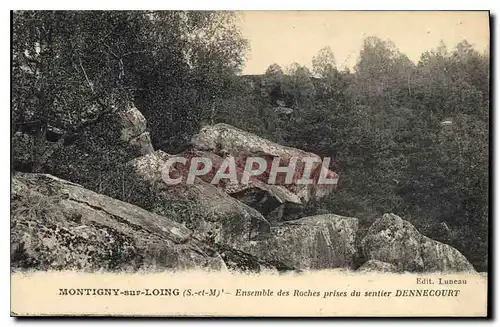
{"points": [[406, 138], [71, 66]]}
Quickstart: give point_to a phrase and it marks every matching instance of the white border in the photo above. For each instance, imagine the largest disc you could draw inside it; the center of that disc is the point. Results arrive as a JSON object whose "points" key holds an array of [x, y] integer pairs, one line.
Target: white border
{"points": [[259, 5]]}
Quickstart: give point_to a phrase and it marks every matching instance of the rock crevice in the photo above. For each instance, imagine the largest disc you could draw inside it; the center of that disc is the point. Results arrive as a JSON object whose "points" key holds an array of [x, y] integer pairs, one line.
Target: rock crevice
{"points": [[145, 224]]}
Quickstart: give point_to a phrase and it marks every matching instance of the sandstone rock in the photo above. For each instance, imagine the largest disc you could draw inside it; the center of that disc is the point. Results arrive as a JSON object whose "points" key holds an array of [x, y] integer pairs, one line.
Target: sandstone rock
{"points": [[276, 203], [256, 194], [202, 207], [223, 137], [315, 242], [133, 131], [57, 225], [141, 144], [393, 240], [378, 267], [125, 128], [224, 140], [132, 124], [244, 262]]}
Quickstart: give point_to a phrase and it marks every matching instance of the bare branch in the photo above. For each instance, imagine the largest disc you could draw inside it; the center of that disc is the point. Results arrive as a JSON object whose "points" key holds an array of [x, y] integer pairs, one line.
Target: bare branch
{"points": [[111, 51], [86, 77]]}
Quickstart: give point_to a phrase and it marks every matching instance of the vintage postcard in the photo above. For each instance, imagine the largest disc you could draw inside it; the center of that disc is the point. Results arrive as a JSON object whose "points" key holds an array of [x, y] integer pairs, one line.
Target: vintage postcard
{"points": [[250, 163]]}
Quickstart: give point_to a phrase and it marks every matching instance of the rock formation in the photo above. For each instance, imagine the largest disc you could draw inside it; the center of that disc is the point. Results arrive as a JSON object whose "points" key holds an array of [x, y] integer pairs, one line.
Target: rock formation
{"points": [[264, 197], [225, 140], [133, 131], [122, 215], [202, 207], [56, 224], [393, 240], [315, 242]]}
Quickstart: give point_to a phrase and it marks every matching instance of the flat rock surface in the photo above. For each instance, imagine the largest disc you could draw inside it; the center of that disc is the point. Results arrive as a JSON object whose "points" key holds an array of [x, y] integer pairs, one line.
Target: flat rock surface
{"points": [[56, 224], [315, 242], [396, 241]]}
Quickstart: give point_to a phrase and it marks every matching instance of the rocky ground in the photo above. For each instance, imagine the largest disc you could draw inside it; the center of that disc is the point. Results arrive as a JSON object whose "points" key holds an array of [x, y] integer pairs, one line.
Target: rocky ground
{"points": [[128, 219]]}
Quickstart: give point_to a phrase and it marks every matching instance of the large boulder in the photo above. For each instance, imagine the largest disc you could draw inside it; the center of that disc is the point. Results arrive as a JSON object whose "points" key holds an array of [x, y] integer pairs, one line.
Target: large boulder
{"points": [[315, 242], [224, 140], [133, 130], [58, 225], [200, 206], [266, 198], [244, 262], [275, 202], [396, 241]]}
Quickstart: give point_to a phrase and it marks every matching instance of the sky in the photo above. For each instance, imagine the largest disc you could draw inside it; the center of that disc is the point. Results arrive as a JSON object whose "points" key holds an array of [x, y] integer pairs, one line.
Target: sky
{"points": [[284, 37]]}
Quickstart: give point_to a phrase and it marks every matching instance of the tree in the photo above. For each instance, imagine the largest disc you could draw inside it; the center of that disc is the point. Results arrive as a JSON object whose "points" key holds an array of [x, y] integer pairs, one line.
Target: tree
{"points": [[448, 83], [300, 87], [195, 56], [324, 63], [382, 73], [274, 70], [67, 82], [447, 178], [273, 84], [172, 64], [329, 84]]}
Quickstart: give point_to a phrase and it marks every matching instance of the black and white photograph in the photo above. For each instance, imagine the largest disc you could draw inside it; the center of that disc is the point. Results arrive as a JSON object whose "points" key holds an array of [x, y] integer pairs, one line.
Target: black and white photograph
{"points": [[251, 142]]}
